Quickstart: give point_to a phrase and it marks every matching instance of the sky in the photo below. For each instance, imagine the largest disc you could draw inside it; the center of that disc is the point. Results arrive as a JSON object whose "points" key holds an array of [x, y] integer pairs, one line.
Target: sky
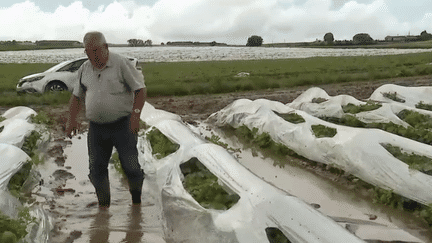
{"points": [[224, 21]]}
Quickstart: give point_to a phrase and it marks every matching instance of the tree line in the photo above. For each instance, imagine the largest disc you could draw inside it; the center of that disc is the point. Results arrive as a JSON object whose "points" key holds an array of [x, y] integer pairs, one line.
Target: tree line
{"points": [[139, 42], [358, 39]]}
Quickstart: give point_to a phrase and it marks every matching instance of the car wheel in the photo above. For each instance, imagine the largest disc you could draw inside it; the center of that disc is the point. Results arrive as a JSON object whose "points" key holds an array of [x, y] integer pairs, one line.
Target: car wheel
{"points": [[56, 86]]}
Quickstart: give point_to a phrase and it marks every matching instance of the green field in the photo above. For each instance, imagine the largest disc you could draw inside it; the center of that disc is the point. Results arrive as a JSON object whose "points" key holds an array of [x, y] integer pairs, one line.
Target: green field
{"points": [[189, 78]]}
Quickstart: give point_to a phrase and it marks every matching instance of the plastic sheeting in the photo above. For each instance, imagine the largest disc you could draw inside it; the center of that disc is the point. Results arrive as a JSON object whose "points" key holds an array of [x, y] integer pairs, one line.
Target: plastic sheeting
{"points": [[355, 150], [260, 206], [16, 128]]}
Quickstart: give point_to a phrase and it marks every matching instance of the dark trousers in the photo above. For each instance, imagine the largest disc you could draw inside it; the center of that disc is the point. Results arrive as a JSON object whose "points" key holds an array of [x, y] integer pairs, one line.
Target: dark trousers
{"points": [[101, 140]]}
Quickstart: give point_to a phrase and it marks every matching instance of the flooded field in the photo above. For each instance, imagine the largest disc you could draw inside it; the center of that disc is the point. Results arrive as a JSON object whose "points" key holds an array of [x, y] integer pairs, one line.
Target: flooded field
{"points": [[176, 54], [70, 198], [371, 221]]}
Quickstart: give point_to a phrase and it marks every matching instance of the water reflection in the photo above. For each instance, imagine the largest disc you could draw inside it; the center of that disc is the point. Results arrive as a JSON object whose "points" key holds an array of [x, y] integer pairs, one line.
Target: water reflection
{"points": [[134, 231], [100, 228]]}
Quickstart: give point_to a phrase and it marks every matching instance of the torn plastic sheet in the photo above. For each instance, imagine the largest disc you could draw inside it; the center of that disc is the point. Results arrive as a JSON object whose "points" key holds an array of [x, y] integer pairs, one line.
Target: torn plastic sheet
{"points": [[410, 95], [261, 207], [332, 107], [16, 128], [355, 150]]}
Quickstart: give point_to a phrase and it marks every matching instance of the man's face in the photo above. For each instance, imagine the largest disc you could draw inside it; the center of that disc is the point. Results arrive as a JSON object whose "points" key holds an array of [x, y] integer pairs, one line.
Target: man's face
{"points": [[97, 53]]}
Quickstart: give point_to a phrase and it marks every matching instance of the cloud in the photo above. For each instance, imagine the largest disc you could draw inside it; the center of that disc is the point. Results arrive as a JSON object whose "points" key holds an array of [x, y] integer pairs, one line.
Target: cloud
{"points": [[229, 21]]}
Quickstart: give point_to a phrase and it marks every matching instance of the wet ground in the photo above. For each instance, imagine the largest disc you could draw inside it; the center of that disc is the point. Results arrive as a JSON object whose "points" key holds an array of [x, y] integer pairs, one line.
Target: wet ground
{"points": [[69, 197]]}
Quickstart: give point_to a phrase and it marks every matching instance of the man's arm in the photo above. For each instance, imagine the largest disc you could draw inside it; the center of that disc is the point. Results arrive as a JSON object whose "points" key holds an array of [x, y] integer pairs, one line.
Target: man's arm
{"points": [[74, 109], [140, 96]]}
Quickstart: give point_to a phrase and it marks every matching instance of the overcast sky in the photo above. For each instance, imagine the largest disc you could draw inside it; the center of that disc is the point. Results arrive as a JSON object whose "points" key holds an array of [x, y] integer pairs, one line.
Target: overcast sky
{"points": [[227, 21]]}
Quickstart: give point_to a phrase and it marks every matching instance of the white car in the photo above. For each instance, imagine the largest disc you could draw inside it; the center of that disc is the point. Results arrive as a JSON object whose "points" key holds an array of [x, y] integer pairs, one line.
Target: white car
{"points": [[58, 78]]}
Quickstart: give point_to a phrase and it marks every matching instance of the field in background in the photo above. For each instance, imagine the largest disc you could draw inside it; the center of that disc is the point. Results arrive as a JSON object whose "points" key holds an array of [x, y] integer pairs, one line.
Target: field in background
{"points": [[211, 77]]}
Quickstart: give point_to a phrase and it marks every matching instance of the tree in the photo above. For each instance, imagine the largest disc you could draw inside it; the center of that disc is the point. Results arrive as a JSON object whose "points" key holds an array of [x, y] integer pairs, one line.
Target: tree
{"points": [[148, 42], [329, 38], [362, 39], [254, 41], [135, 42], [424, 36]]}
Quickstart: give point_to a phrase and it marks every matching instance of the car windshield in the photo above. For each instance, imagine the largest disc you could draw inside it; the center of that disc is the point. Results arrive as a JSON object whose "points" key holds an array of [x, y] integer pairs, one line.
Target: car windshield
{"points": [[55, 67]]}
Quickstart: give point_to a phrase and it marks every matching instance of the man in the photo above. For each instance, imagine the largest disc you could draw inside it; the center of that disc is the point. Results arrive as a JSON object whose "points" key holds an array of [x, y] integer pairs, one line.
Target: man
{"points": [[114, 93]]}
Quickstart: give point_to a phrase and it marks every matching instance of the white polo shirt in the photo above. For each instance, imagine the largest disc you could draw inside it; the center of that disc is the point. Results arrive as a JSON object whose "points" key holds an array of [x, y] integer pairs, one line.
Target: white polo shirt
{"points": [[108, 93]]}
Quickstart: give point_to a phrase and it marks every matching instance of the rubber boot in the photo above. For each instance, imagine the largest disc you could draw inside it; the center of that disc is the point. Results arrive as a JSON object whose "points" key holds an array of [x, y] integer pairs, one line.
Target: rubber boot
{"points": [[135, 189], [102, 192]]}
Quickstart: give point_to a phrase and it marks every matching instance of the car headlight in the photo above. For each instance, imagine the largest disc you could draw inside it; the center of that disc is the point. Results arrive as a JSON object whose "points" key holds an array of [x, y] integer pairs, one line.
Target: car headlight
{"points": [[32, 79]]}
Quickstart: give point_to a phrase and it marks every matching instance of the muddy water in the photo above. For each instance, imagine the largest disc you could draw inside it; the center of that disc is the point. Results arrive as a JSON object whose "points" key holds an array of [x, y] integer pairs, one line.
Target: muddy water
{"points": [[70, 198], [356, 212]]}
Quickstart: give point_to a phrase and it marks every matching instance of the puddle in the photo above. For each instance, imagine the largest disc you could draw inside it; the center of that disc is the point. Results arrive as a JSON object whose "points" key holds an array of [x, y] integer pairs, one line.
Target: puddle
{"points": [[353, 211], [70, 198]]}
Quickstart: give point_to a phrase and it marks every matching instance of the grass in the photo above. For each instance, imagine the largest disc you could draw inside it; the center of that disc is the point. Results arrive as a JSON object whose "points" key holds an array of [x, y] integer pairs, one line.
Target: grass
{"points": [[212, 77]]}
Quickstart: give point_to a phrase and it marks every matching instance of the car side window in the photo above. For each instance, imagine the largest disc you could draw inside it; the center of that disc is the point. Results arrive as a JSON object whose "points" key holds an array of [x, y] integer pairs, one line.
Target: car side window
{"points": [[72, 67]]}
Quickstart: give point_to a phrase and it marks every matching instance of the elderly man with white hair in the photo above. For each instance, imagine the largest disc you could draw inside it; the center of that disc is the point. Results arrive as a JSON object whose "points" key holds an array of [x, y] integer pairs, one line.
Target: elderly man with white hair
{"points": [[114, 93]]}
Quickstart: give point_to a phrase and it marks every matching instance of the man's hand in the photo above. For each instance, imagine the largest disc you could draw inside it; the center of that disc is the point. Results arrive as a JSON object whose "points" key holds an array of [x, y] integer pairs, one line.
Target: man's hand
{"points": [[134, 124], [71, 124], [71, 127]]}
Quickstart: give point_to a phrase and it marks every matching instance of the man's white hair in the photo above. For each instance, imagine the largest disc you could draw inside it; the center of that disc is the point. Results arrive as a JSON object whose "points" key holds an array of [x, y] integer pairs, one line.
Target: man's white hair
{"points": [[95, 37]]}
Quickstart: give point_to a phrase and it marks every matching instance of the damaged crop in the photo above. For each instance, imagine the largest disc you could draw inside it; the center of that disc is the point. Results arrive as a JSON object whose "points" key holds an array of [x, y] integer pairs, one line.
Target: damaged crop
{"points": [[420, 132], [416, 119], [216, 140], [346, 120], [42, 118], [291, 117], [319, 100], [30, 146], [17, 181], [321, 131], [12, 230], [161, 145], [414, 161], [203, 186], [30, 143], [419, 105], [393, 96], [354, 109]]}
